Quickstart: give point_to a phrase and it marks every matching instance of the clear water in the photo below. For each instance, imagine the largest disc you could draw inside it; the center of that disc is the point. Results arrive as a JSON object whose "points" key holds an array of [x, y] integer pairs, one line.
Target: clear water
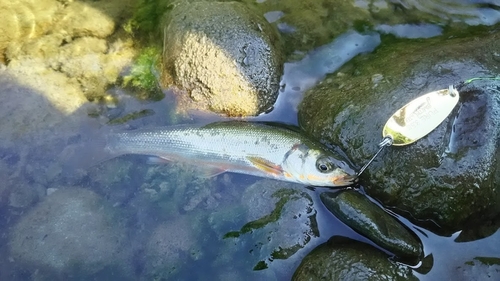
{"points": [[178, 227]]}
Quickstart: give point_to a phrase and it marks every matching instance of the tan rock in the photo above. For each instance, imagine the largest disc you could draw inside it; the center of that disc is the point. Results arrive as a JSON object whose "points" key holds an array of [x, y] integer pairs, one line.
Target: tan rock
{"points": [[23, 19], [81, 19], [227, 58]]}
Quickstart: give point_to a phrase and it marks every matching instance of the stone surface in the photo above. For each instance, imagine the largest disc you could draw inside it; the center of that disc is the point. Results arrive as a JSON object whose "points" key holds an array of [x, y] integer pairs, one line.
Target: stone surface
{"points": [[349, 260], [72, 229], [224, 55], [368, 219], [171, 245], [280, 221], [449, 175], [22, 19]]}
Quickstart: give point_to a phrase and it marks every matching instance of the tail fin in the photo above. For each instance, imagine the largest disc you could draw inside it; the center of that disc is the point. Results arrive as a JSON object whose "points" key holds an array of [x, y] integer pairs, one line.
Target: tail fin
{"points": [[86, 149]]}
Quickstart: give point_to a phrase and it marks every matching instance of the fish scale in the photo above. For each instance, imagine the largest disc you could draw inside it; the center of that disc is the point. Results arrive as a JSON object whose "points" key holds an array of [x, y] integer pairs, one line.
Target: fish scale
{"points": [[242, 147], [233, 143]]}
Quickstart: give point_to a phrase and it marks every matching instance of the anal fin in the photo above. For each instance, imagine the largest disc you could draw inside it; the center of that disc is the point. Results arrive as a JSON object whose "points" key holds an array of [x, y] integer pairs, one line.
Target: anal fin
{"points": [[210, 172], [156, 160]]}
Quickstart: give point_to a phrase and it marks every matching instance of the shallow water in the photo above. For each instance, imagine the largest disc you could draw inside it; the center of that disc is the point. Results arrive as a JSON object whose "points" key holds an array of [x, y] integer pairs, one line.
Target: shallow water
{"points": [[169, 219]]}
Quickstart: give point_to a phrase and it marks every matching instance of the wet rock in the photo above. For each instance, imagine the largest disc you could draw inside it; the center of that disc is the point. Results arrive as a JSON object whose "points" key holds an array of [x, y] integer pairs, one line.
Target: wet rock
{"points": [[72, 229], [281, 220], [23, 195], [350, 260], [309, 24], [359, 213], [480, 231], [38, 103], [171, 246], [81, 19], [176, 187], [89, 62], [22, 19], [449, 175], [71, 42], [227, 57]]}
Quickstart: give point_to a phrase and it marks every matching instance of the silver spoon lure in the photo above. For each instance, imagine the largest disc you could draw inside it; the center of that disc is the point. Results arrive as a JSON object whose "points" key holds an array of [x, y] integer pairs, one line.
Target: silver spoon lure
{"points": [[416, 119]]}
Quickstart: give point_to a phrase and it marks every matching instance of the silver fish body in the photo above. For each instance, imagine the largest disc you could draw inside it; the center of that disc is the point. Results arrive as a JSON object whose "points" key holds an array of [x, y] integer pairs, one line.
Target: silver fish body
{"points": [[241, 147]]}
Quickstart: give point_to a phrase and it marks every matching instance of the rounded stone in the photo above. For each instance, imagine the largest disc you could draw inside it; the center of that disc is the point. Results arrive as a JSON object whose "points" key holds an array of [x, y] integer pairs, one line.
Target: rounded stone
{"points": [[345, 259], [448, 176], [224, 55], [371, 221], [71, 229]]}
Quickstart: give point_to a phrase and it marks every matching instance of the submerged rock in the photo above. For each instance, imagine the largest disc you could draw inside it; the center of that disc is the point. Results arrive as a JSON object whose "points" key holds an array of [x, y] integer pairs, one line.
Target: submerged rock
{"points": [[370, 220], [281, 220], [480, 268], [23, 19], [65, 46], [72, 231], [449, 175], [227, 57], [171, 246], [344, 259]]}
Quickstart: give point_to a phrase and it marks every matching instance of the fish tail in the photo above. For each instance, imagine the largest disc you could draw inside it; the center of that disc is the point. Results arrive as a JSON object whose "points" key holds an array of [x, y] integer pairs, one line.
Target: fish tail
{"points": [[87, 149]]}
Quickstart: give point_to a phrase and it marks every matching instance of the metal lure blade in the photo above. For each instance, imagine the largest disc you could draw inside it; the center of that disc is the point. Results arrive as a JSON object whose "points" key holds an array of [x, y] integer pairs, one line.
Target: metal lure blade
{"points": [[420, 116]]}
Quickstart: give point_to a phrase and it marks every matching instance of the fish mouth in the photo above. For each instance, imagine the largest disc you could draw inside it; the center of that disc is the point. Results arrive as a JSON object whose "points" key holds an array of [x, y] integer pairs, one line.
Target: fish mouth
{"points": [[345, 180]]}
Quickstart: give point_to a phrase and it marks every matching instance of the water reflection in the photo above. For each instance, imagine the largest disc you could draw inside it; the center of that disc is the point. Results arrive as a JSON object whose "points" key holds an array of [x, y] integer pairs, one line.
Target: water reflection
{"points": [[411, 31], [302, 75], [472, 12]]}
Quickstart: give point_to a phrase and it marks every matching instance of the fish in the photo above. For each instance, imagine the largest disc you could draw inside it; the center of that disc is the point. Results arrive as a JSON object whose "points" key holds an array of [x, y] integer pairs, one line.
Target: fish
{"points": [[252, 148]]}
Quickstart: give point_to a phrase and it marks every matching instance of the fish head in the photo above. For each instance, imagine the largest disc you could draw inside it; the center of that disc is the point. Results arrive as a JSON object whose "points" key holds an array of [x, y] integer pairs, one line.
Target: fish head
{"points": [[318, 168]]}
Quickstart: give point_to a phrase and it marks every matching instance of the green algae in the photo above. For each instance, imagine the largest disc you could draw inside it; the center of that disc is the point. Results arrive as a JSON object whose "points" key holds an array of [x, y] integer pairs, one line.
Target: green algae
{"points": [[260, 265], [147, 18], [143, 75], [284, 195], [131, 116]]}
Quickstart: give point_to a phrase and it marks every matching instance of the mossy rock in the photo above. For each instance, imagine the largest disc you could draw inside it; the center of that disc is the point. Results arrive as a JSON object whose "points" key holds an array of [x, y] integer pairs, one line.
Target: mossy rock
{"points": [[449, 176]]}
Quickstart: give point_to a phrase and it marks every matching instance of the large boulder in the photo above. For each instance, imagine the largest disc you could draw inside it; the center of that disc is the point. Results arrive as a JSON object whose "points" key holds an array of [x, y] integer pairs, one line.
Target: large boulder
{"points": [[224, 55], [451, 175]]}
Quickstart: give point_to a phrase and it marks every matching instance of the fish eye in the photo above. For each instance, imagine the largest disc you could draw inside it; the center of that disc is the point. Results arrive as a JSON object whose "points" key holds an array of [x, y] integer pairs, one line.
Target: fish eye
{"points": [[324, 165]]}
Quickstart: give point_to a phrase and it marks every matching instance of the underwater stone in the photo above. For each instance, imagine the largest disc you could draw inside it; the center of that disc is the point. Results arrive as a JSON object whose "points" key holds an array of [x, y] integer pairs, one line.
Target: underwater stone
{"points": [[449, 176], [25, 19], [170, 248], [280, 221], [72, 229], [224, 55], [344, 259], [368, 219]]}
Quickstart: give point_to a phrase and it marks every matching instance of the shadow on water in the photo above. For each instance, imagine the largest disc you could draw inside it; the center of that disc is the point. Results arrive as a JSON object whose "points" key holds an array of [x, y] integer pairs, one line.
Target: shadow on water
{"points": [[34, 134]]}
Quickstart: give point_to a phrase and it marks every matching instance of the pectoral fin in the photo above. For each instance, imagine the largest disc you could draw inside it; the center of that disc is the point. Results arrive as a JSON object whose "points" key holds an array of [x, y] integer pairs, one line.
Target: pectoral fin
{"points": [[265, 165]]}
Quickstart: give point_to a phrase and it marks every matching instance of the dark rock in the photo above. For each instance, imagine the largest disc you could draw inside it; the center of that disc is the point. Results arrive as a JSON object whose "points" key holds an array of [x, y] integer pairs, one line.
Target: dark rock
{"points": [[368, 219], [226, 56], [350, 260], [449, 175]]}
